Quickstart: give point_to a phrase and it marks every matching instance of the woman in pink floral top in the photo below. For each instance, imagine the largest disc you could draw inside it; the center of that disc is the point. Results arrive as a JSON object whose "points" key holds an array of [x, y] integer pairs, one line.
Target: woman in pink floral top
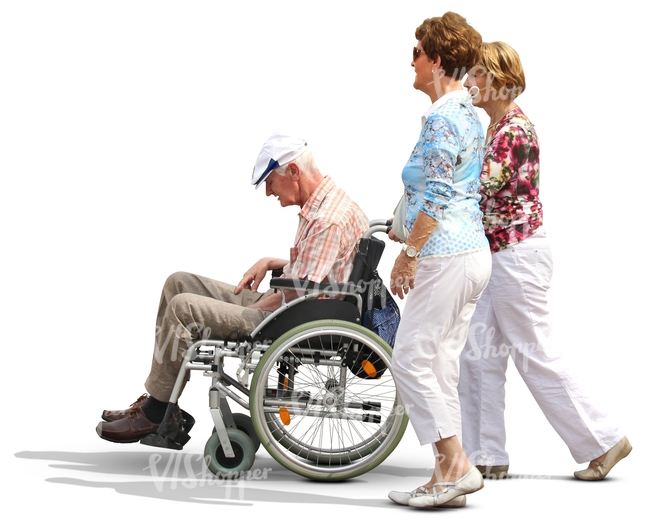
{"points": [[510, 182], [512, 318]]}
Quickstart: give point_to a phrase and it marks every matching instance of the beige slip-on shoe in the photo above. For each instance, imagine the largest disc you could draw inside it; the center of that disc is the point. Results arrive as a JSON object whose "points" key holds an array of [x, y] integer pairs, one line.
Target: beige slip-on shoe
{"points": [[493, 472], [599, 470]]}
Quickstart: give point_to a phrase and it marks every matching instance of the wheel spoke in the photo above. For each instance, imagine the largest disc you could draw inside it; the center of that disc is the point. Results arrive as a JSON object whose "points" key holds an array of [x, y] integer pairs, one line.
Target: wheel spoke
{"points": [[340, 424]]}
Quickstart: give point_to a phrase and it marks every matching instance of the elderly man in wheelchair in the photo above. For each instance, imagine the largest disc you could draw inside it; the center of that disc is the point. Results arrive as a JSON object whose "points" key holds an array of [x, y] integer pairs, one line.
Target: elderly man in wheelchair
{"points": [[317, 382]]}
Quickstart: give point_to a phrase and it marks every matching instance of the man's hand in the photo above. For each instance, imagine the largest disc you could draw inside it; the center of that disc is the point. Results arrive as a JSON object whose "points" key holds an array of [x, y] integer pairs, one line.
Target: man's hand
{"points": [[254, 276]]}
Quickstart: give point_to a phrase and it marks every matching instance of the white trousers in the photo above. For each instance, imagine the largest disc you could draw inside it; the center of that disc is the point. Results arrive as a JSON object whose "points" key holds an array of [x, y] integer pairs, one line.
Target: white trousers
{"points": [[512, 320], [431, 337]]}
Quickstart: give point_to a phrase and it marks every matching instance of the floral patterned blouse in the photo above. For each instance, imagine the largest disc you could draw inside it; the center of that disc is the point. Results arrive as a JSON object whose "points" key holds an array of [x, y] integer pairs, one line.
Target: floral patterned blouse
{"points": [[510, 201], [441, 177]]}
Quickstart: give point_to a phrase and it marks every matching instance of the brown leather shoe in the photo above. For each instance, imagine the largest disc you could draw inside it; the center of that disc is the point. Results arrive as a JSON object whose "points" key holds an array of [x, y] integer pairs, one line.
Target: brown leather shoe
{"points": [[494, 472], [134, 426], [131, 428], [111, 415]]}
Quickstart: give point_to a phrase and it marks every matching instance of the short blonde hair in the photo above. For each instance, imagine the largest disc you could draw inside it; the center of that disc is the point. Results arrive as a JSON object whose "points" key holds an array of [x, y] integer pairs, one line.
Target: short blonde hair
{"points": [[503, 65]]}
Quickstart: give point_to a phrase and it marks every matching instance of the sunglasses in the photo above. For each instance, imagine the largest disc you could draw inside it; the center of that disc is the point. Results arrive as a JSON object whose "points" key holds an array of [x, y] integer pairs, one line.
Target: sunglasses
{"points": [[416, 53]]}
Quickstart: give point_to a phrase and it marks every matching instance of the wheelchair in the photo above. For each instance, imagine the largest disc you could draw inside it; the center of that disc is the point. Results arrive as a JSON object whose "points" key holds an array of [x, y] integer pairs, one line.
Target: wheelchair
{"points": [[316, 381]]}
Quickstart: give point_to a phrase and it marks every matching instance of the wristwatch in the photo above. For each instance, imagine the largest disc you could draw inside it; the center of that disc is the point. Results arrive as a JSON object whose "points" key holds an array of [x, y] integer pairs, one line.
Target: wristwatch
{"points": [[410, 251]]}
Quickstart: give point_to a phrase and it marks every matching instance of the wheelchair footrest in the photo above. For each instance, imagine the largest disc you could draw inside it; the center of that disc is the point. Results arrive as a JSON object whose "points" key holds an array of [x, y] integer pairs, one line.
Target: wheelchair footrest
{"points": [[170, 436], [161, 442], [188, 421]]}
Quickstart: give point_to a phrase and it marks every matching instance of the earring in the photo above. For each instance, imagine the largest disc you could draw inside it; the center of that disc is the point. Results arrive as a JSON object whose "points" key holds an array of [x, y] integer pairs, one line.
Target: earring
{"points": [[472, 93]]}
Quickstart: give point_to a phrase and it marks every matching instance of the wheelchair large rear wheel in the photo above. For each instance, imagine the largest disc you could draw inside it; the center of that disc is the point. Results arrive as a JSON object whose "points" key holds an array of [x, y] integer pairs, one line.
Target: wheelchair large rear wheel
{"points": [[324, 403]]}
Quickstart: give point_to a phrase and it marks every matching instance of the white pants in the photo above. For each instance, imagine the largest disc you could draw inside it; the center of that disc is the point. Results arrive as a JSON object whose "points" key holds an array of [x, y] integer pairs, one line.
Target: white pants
{"points": [[512, 320], [431, 337]]}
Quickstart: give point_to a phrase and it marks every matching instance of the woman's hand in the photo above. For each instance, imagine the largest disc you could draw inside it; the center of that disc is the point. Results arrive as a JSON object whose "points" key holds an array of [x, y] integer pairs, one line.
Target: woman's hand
{"points": [[402, 278], [393, 237]]}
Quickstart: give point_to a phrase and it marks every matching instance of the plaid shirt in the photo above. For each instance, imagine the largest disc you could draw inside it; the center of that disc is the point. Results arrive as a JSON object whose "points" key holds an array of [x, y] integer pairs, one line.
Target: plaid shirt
{"points": [[330, 227]]}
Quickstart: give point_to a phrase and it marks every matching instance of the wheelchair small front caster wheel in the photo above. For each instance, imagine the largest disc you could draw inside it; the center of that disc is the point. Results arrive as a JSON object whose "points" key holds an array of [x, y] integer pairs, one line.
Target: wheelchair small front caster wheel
{"points": [[245, 424], [230, 467]]}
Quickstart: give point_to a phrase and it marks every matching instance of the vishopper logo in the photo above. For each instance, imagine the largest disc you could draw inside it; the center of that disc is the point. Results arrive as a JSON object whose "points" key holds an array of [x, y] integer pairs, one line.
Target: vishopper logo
{"points": [[190, 471], [303, 287], [168, 344], [489, 461], [171, 342], [490, 93], [438, 74], [481, 345]]}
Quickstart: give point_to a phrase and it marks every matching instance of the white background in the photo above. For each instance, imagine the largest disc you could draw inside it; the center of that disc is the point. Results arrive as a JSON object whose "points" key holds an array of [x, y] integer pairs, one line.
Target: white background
{"points": [[128, 133]]}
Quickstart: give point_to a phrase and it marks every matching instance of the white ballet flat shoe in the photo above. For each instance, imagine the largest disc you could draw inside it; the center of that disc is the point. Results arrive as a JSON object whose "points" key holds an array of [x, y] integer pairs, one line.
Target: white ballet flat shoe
{"points": [[403, 497], [469, 483]]}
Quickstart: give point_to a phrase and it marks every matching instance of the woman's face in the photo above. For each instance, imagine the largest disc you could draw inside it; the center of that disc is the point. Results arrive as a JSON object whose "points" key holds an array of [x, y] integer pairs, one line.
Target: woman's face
{"points": [[422, 65], [477, 77]]}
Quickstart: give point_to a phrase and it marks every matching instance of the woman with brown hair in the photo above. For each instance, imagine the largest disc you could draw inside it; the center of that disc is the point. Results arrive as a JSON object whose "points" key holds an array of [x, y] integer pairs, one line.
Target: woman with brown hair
{"points": [[445, 261]]}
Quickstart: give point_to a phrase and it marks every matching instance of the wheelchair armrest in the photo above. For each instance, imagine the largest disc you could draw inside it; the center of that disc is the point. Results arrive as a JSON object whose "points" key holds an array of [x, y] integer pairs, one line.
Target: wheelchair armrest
{"points": [[319, 287]]}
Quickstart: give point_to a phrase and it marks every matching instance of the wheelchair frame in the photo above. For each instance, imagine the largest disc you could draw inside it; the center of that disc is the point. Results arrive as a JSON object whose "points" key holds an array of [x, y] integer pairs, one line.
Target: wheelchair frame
{"points": [[321, 396]]}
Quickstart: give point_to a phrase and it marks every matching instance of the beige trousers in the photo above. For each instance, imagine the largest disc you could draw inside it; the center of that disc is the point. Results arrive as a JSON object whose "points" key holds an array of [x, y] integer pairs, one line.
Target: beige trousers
{"points": [[194, 307]]}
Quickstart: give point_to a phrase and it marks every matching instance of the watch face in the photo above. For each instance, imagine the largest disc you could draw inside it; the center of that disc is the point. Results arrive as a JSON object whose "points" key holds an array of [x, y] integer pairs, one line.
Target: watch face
{"points": [[411, 251]]}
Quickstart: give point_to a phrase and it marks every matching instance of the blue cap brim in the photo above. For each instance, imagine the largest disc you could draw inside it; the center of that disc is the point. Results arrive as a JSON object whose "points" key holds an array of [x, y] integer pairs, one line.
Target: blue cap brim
{"points": [[273, 164]]}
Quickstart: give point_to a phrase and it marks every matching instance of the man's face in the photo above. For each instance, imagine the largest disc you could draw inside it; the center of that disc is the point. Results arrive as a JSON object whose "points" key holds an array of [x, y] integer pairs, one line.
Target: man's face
{"points": [[284, 188]]}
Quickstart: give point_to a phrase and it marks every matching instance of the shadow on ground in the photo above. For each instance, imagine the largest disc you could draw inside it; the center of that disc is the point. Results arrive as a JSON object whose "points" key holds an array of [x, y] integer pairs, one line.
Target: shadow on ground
{"points": [[184, 477]]}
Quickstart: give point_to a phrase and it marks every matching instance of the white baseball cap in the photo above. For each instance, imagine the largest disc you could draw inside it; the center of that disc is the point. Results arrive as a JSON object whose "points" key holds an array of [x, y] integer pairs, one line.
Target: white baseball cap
{"points": [[277, 151]]}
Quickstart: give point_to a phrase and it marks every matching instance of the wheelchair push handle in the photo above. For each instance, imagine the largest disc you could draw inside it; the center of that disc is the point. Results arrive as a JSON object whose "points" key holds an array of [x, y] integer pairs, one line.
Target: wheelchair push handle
{"points": [[378, 226]]}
